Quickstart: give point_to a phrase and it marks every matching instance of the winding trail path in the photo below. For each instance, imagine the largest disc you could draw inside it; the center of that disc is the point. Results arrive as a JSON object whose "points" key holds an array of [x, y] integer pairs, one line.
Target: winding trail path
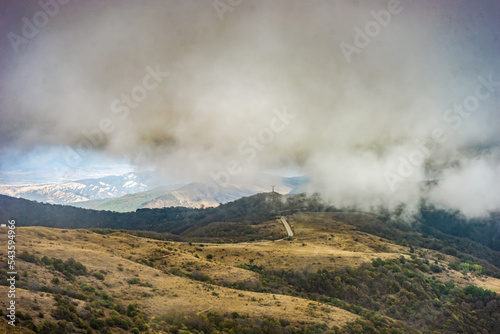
{"points": [[287, 226]]}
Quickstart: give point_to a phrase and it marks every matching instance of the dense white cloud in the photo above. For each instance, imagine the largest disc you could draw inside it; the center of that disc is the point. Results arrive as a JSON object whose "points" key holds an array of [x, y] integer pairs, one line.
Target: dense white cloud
{"points": [[96, 77], [472, 187]]}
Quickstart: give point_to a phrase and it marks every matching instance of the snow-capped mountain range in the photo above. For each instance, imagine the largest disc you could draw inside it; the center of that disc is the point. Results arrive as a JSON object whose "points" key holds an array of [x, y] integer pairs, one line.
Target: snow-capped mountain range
{"points": [[191, 195], [82, 190], [133, 191]]}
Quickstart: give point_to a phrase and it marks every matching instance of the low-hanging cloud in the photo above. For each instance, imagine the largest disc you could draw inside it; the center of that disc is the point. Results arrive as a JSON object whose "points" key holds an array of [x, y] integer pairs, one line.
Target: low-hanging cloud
{"points": [[184, 87]]}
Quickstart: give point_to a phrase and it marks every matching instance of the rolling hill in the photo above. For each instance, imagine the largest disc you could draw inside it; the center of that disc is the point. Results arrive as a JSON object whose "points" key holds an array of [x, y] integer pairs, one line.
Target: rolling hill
{"points": [[331, 277]]}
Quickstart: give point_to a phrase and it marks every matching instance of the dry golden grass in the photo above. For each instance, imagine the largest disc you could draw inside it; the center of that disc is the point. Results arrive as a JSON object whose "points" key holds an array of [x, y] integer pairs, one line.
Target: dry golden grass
{"points": [[167, 293], [462, 280], [7, 329], [322, 240]]}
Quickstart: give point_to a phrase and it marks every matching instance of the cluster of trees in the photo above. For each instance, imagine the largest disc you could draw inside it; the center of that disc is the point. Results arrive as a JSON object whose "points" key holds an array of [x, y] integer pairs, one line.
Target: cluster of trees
{"points": [[175, 220], [423, 234], [91, 320], [69, 267], [101, 312], [484, 230], [378, 291], [394, 288], [445, 231], [213, 322]]}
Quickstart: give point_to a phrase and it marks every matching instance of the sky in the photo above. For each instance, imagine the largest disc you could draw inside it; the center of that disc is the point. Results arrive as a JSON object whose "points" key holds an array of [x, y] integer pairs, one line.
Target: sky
{"points": [[378, 103]]}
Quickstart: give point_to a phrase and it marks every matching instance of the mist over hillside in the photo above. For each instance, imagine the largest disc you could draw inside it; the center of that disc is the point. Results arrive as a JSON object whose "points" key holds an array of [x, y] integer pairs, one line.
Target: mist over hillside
{"points": [[368, 116], [250, 166]]}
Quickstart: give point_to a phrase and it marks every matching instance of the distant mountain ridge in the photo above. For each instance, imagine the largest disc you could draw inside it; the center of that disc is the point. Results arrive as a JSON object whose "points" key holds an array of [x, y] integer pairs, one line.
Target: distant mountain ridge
{"points": [[132, 191], [83, 190], [192, 195]]}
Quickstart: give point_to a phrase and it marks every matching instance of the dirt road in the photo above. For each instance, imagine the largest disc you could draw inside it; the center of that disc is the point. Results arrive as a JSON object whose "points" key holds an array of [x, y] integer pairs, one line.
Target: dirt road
{"points": [[287, 226], [282, 218]]}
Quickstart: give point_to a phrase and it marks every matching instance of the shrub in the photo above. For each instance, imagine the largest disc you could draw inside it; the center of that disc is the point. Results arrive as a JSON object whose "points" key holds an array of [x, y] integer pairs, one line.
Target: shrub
{"points": [[133, 280], [45, 288], [69, 267], [478, 292], [435, 268], [65, 310], [121, 322], [26, 256], [98, 276], [97, 323], [478, 269], [425, 268], [87, 288], [131, 310], [49, 327], [464, 267]]}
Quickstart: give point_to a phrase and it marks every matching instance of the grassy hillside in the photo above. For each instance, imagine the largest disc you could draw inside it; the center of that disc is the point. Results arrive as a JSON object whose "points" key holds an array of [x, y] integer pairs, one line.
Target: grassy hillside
{"points": [[435, 229], [330, 277]]}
